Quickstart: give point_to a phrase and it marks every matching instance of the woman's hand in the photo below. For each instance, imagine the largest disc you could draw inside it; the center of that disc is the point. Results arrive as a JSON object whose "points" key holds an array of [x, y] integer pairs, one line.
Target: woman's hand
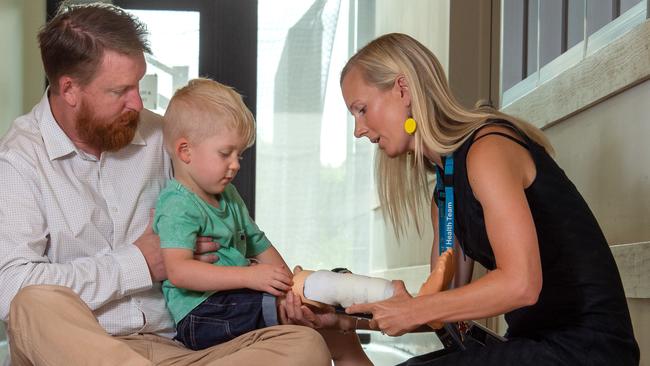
{"points": [[392, 316]]}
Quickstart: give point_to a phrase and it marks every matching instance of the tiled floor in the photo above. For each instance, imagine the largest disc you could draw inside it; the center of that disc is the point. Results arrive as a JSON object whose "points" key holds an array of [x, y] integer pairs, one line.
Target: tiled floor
{"points": [[382, 355]]}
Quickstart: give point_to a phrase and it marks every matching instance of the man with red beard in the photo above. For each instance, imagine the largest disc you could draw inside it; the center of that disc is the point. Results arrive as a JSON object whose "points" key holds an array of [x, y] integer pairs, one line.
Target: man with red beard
{"points": [[80, 267]]}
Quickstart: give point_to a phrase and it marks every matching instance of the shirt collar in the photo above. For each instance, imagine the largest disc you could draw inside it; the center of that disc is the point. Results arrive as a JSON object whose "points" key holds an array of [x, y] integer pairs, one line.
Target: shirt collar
{"points": [[57, 143]]}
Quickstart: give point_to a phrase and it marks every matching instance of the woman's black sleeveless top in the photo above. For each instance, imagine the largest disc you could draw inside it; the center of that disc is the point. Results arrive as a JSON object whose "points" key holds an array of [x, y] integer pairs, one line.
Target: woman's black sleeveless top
{"points": [[582, 294]]}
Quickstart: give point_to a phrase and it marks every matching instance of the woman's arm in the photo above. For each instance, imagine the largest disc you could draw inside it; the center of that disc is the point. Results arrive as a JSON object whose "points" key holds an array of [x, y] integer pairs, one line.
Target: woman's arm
{"points": [[498, 172]]}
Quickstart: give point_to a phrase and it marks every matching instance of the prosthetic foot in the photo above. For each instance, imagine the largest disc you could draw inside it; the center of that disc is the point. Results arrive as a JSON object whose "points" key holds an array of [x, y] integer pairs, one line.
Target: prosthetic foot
{"points": [[439, 279]]}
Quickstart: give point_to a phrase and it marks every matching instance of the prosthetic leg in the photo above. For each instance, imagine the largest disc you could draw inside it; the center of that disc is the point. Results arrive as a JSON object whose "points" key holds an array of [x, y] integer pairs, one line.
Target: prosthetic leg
{"points": [[325, 288]]}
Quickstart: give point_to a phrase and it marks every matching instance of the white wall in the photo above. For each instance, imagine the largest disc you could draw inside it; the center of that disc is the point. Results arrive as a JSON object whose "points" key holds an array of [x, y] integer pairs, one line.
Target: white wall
{"points": [[21, 75], [425, 20], [11, 88], [604, 150]]}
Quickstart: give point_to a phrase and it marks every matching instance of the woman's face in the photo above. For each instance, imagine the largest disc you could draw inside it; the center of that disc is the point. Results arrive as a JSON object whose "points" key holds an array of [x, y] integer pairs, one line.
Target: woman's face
{"points": [[378, 114]]}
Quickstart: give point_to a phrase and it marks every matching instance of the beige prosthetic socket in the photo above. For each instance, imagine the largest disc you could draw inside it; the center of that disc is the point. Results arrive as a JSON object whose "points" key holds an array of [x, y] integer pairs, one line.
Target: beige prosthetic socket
{"points": [[322, 288], [439, 279]]}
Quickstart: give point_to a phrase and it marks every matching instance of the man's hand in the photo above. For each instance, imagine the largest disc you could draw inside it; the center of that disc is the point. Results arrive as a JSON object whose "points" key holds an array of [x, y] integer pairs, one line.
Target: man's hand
{"points": [[204, 246], [292, 311], [149, 245]]}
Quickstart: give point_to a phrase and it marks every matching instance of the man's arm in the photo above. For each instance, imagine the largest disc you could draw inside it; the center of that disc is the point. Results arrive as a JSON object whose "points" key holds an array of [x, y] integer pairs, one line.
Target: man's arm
{"points": [[149, 245], [25, 242]]}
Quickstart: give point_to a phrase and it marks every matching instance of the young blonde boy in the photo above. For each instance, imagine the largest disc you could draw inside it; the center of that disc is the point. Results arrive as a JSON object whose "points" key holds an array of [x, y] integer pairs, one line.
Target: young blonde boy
{"points": [[207, 127]]}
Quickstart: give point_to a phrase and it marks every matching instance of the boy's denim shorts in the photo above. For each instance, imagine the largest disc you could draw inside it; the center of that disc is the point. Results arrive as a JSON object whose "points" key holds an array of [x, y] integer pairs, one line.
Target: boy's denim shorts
{"points": [[226, 315]]}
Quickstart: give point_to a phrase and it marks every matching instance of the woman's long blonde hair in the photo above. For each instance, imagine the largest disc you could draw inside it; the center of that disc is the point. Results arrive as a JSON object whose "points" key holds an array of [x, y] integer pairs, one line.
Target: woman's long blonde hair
{"points": [[442, 123]]}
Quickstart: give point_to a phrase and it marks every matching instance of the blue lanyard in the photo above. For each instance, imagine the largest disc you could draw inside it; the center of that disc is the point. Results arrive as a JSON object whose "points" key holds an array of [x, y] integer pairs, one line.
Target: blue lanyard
{"points": [[445, 201]]}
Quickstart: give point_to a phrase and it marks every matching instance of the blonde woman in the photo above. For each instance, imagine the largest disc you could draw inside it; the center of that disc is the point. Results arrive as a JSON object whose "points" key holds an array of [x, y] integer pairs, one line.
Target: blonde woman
{"points": [[511, 208]]}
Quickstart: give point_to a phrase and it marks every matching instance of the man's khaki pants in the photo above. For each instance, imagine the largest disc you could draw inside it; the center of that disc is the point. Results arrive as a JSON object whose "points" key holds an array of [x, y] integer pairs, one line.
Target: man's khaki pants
{"points": [[51, 325]]}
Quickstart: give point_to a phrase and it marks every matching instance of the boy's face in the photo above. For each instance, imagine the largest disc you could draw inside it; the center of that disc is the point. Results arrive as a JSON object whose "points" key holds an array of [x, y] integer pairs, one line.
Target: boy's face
{"points": [[215, 162]]}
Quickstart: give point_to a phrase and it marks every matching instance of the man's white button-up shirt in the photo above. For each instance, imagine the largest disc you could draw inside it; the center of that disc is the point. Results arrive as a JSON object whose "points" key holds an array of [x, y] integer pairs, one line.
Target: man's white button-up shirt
{"points": [[70, 219]]}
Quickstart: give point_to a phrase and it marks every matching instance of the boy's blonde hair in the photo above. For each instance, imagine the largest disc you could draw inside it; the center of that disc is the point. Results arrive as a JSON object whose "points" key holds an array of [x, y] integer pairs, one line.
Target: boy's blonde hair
{"points": [[201, 109]]}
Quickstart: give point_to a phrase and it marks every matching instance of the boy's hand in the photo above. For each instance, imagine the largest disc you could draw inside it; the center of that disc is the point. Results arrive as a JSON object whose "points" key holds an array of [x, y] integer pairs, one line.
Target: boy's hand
{"points": [[204, 246], [274, 279]]}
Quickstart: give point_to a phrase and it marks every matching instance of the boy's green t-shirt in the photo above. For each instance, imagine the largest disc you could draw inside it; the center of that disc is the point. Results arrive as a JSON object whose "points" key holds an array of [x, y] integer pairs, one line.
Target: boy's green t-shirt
{"points": [[182, 216]]}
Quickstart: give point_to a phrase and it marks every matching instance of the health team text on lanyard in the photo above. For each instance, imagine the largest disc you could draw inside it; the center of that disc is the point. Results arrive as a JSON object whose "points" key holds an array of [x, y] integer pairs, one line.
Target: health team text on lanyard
{"points": [[445, 201]]}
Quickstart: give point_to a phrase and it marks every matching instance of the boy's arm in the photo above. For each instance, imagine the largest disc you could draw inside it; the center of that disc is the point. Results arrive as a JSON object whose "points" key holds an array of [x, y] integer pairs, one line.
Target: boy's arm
{"points": [[178, 221], [272, 256], [186, 272]]}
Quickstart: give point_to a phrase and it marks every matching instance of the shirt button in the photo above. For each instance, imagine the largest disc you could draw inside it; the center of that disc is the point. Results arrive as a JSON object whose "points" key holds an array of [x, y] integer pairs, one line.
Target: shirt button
{"points": [[114, 209]]}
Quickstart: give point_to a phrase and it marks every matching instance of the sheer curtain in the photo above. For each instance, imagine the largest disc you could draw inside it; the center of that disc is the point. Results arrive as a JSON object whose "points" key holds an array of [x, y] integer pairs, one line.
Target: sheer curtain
{"points": [[315, 194], [315, 190]]}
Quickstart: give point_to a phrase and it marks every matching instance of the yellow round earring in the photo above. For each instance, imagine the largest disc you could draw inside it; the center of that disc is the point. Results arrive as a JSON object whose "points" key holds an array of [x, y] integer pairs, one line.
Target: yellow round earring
{"points": [[410, 125]]}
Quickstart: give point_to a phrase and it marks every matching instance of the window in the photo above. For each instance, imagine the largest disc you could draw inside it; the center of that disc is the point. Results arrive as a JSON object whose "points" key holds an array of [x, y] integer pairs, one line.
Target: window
{"points": [[175, 54], [314, 192], [189, 38], [541, 39]]}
